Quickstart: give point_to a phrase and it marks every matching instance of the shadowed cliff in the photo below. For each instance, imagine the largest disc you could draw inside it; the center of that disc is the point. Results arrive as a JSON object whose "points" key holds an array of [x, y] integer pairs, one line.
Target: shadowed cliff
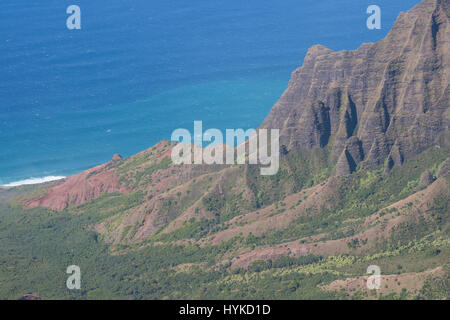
{"points": [[380, 104]]}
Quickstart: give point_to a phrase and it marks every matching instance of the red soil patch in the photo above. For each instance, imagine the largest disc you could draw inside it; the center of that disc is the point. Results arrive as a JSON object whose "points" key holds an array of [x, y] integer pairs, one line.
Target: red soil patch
{"points": [[78, 189], [374, 229]]}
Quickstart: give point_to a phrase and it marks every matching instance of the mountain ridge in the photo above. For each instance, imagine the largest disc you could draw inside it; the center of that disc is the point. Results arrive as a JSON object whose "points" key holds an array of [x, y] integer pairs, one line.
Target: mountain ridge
{"points": [[364, 97]]}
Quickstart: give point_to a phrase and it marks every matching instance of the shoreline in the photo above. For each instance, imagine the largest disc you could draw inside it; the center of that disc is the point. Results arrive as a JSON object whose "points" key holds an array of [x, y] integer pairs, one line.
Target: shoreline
{"points": [[31, 181]]}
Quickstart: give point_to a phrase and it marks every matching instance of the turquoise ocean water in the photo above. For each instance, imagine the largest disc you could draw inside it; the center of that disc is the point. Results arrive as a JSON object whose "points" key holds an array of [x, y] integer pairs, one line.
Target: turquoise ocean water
{"points": [[138, 69]]}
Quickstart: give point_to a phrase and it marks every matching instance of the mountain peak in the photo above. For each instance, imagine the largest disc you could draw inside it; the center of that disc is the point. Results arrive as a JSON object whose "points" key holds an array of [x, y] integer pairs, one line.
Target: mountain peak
{"points": [[382, 94]]}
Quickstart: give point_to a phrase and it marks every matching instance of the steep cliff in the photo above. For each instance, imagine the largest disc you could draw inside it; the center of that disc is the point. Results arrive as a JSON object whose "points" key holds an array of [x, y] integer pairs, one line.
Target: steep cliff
{"points": [[380, 104]]}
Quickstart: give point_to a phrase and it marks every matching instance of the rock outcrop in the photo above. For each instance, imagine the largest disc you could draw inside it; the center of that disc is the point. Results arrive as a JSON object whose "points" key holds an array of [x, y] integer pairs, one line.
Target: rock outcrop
{"points": [[425, 179], [444, 169], [390, 97], [116, 157]]}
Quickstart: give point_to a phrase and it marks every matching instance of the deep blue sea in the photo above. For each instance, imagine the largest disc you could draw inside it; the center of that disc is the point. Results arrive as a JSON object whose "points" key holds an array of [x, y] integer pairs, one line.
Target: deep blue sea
{"points": [[138, 69]]}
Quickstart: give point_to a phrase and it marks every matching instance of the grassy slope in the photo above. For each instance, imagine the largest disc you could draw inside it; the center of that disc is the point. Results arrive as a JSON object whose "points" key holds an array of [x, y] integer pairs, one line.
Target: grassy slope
{"points": [[37, 245]]}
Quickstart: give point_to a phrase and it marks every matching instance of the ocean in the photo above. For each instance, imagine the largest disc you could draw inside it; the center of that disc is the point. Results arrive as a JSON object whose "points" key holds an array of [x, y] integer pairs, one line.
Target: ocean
{"points": [[138, 69]]}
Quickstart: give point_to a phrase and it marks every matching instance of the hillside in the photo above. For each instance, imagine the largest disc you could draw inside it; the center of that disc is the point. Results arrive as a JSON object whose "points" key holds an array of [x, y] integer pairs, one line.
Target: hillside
{"points": [[363, 180]]}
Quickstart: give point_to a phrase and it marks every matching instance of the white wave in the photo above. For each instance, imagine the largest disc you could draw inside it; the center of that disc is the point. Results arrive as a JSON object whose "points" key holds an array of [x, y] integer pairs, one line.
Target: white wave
{"points": [[33, 181]]}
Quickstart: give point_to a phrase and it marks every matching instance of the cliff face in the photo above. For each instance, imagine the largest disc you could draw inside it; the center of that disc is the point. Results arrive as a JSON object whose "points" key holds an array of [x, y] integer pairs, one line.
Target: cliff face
{"points": [[382, 103]]}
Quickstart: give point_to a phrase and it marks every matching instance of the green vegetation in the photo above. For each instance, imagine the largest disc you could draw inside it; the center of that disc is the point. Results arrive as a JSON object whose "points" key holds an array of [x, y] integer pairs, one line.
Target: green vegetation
{"points": [[37, 245], [142, 175], [363, 194]]}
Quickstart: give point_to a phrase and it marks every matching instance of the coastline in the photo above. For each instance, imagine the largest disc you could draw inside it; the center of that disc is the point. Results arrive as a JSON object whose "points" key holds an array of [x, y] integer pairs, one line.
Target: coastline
{"points": [[32, 181]]}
